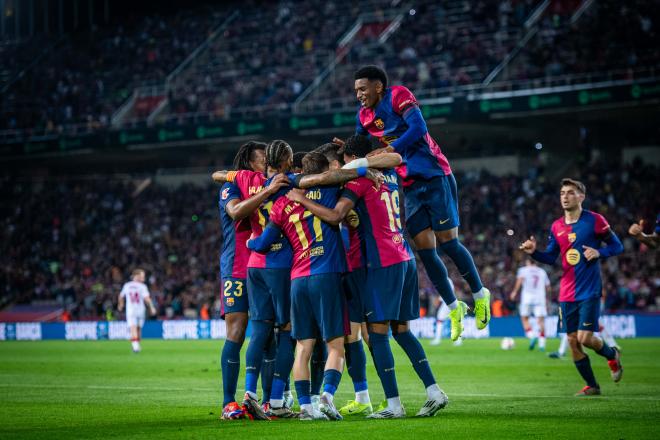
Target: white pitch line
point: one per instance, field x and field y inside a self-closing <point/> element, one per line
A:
<point x="212" y="390"/>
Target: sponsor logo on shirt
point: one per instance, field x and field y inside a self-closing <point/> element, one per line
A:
<point x="573" y="257"/>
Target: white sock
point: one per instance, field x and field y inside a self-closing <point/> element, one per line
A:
<point x="433" y="391"/>
<point x="307" y="407"/>
<point x="479" y="295"/>
<point x="438" y="330"/>
<point x="563" y="344"/>
<point x="329" y="397"/>
<point x="276" y="403"/>
<point x="542" y="342"/>
<point x="453" y="305"/>
<point x="529" y="334"/>
<point x="362" y="397"/>
<point x="394" y="403"/>
<point x="136" y="345"/>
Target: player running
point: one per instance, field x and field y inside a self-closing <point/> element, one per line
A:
<point x="392" y="116"/>
<point x="577" y="237"/>
<point x="317" y="303"/>
<point x="390" y="298"/>
<point x="533" y="300"/>
<point x="135" y="295"/>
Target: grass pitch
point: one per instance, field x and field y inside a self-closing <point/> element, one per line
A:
<point x="172" y="390"/>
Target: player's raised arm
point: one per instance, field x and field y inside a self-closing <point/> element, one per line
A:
<point x="224" y="176"/>
<point x="637" y="231"/>
<point x="384" y="160"/>
<point x="240" y="209"/>
<point x="333" y="216"/>
<point x="262" y="243"/>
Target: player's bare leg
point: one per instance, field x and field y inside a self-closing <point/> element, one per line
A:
<point x="333" y="369"/>
<point x="301" y="376"/>
<point x="356" y="362"/>
<point x="426" y="244"/>
<point x="541" y="323"/>
<point x="588" y="339"/>
<point x="436" y="399"/>
<point x="135" y="338"/>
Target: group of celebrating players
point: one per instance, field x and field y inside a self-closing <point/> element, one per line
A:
<point x="314" y="254"/>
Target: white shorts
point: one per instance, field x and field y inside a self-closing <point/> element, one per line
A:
<point x="538" y="310"/>
<point x="443" y="312"/>
<point x="135" y="320"/>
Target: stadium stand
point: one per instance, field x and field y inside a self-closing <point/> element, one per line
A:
<point x="72" y="243"/>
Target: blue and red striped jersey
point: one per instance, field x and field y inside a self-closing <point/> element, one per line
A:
<point x="581" y="278"/>
<point x="234" y="254"/>
<point x="317" y="246"/>
<point x="423" y="159"/>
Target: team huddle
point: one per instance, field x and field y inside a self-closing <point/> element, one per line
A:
<point x="315" y="256"/>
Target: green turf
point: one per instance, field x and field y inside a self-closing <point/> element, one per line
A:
<point x="172" y="390"/>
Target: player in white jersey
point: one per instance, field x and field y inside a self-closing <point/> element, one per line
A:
<point x="535" y="288"/>
<point x="135" y="295"/>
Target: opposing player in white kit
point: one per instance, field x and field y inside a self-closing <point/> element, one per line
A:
<point x="135" y="295"/>
<point x="440" y="317"/>
<point x="535" y="288"/>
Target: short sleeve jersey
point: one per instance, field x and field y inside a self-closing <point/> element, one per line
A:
<point x="134" y="294"/>
<point x="234" y="254"/>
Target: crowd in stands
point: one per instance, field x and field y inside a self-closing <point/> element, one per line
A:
<point x="86" y="77"/>
<point x="631" y="30"/>
<point x="75" y="242"/>
<point x="273" y="51"/>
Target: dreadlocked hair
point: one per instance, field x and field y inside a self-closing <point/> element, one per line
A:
<point x="277" y="152"/>
<point x="244" y="155"/>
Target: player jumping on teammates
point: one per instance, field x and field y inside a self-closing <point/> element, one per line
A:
<point x="135" y="295"/>
<point x="533" y="300"/>
<point x="577" y="237"/>
<point x="392" y="116"/>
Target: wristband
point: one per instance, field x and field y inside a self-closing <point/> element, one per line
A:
<point x="357" y="163"/>
<point x="362" y="171"/>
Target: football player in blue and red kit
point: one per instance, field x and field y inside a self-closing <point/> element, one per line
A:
<point x="576" y="237"/>
<point x="392" y="116"/>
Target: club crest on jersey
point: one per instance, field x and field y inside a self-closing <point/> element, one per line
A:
<point x="572" y="237"/>
<point x="225" y="193"/>
<point x="397" y="238"/>
<point x="230" y="301"/>
<point x="379" y="123"/>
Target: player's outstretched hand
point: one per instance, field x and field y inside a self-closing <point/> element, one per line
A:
<point x="279" y="181"/>
<point x="590" y="253"/>
<point x="375" y="176"/>
<point x="336" y="140"/>
<point x="296" y="195"/>
<point x="529" y="246"/>
<point x="378" y="151"/>
<point x="636" y="228"/>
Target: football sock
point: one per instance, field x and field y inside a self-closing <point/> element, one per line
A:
<point x="331" y="380"/>
<point x="529" y="334"/>
<point x="394" y="402"/>
<point x="438" y="275"/>
<point x="356" y="360"/>
<point x="438" y="330"/>
<point x="433" y="391"/>
<point x="584" y="368"/>
<point x="384" y="363"/>
<point x="231" y="364"/>
<point x="607" y="352"/>
<point x="563" y="344"/>
<point x="302" y="390"/>
<point x="283" y="365"/>
<point x="465" y="264"/>
<point x="255" y="352"/>
<point x="319" y="356"/>
<point x="417" y="356"/>
<point x="268" y="368"/>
